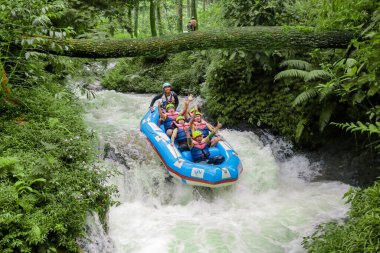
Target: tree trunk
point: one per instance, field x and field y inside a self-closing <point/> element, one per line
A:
<point x="180" y="16"/>
<point x="188" y="8"/>
<point x="254" y="38"/>
<point x="159" y="20"/>
<point x="194" y="12"/>
<point x="194" y="9"/>
<point x="130" y="23"/>
<point x="152" y="18"/>
<point x="136" y="23"/>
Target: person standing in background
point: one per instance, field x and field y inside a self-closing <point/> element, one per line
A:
<point x="193" y="24"/>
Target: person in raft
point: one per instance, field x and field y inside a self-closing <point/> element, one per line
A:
<point x="199" y="148"/>
<point x="179" y="134"/>
<point x="167" y="97"/>
<point x="170" y="114"/>
<point x="191" y="113"/>
<point x="198" y="123"/>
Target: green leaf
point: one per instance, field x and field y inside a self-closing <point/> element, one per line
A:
<point x="352" y="71"/>
<point x="296" y="64"/>
<point x="305" y="96"/>
<point x="232" y="56"/>
<point x="317" y="74"/>
<point x="299" y="130"/>
<point x="18" y="183"/>
<point x="325" y="115"/>
<point x="36" y="234"/>
<point x="37" y="180"/>
<point x="53" y="122"/>
<point x="291" y="73"/>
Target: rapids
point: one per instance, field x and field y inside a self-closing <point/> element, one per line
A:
<point x="273" y="205"/>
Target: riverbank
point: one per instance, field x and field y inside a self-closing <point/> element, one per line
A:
<point x="49" y="175"/>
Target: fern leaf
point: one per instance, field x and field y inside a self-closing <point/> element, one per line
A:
<point x="317" y="74"/>
<point x="325" y="116"/>
<point x="326" y="89"/>
<point x="296" y="64"/>
<point x="343" y="126"/>
<point x="299" y="130"/>
<point x="304" y="96"/>
<point x="359" y="126"/>
<point x="373" y="129"/>
<point x="291" y="73"/>
<point x="362" y="127"/>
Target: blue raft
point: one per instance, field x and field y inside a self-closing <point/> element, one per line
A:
<point x="181" y="166"/>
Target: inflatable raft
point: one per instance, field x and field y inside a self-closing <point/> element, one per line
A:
<point x="181" y="166"/>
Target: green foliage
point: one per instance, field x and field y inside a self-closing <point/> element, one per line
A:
<point x="259" y="12"/>
<point x="359" y="126"/>
<point x="306" y="75"/>
<point x="48" y="176"/>
<point x="359" y="233"/>
<point x="296" y="64"/>
<point x="289" y="73"/>
<point x="185" y="71"/>
<point x="362" y="128"/>
<point x="329" y="14"/>
<point x="305" y="96"/>
<point x="299" y="130"/>
<point x="212" y="17"/>
<point x="239" y="89"/>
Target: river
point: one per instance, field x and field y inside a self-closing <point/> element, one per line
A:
<point x="275" y="203"/>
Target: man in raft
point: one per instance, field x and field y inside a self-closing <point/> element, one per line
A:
<point x="199" y="148"/>
<point x="166" y="97"/>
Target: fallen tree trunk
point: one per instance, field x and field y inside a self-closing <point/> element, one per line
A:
<point x="258" y="38"/>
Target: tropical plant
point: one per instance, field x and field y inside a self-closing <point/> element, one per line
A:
<point x="304" y="70"/>
<point x="359" y="233"/>
<point x="363" y="128"/>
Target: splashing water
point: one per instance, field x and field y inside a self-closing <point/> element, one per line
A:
<point x="272" y="206"/>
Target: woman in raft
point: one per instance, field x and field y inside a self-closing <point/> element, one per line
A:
<point x="179" y="134"/>
<point x="199" y="148"/>
<point x="198" y="123"/>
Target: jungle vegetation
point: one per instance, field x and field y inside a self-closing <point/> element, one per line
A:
<point x="307" y="94"/>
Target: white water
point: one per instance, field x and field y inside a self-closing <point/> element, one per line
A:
<point x="268" y="210"/>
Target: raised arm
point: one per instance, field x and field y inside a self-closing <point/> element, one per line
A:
<point x="162" y="115"/>
<point x="174" y="135"/>
<point x="189" y="141"/>
<point x="216" y="129"/>
<point x="211" y="127"/>
<point x="191" y="124"/>
<point x="184" y="111"/>
<point x="187" y="102"/>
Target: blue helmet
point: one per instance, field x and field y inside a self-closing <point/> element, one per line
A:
<point x="166" y="85"/>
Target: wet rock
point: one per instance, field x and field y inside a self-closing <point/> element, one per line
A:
<point x="111" y="153"/>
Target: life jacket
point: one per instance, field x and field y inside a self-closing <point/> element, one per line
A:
<point x="170" y="119"/>
<point x="202" y="126"/>
<point x="167" y="99"/>
<point x="200" y="151"/>
<point x="181" y="134"/>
